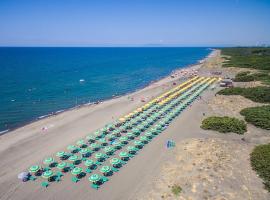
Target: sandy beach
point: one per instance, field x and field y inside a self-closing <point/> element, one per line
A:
<point x="30" y="144"/>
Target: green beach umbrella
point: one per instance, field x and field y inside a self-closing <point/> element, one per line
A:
<point x="109" y="149"/>
<point x="105" y="169"/>
<point x="123" y="154"/>
<point x="34" y="169"/>
<point x="117" y="145"/>
<point x="71" y="147"/>
<point x="130" y="135"/>
<point x="110" y="136"/>
<point x="94" y="178"/>
<point x="73" y="158"/>
<point x="115" y="161"/>
<point x="138" y="143"/>
<point x="61" y="165"/>
<point x="144" y="139"/>
<point x="89" y="163"/>
<point x="80" y="142"/>
<point x="60" y="154"/>
<point x="90" y="138"/>
<point x="102" y="141"/>
<point x="94" y="146"/>
<point x="47" y="174"/>
<point x="76" y="171"/>
<point x="85" y="151"/>
<point x="99" y="155"/>
<point x="123" y="139"/>
<point x="132" y="149"/>
<point x="48" y="161"/>
<point x="148" y="134"/>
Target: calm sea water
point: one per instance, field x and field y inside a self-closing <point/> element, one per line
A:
<point x="35" y="82"/>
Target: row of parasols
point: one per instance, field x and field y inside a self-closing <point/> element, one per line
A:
<point x="153" y="117"/>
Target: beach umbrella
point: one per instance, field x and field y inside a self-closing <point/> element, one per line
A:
<point x="106" y="170"/>
<point x="62" y="166"/>
<point x="48" y="161"/>
<point x="116" y="162"/>
<point x="61" y="154"/>
<point x="130" y="135"/>
<point x="100" y="156"/>
<point x="34" y="169"/>
<point x="123" y="155"/>
<point x="90" y="138"/>
<point x="94" y="146"/>
<point x="94" y="178"/>
<point x="116" y="133"/>
<point x="123" y="139"/>
<point x="122" y="120"/>
<point x="74" y="159"/>
<point x="102" y="141"/>
<point x="144" y="139"/>
<point x="23" y="176"/>
<point x="136" y="131"/>
<point x="72" y="148"/>
<point x="89" y="163"/>
<point x="77" y="171"/>
<point x="148" y="134"/>
<point x="117" y="145"/>
<point x="138" y="144"/>
<point x="110" y="127"/>
<point x="98" y="134"/>
<point x="110" y="137"/>
<point x="81" y="143"/>
<point x="48" y="175"/>
<point x="109" y="150"/>
<point x="132" y="149"/>
<point x="85" y="152"/>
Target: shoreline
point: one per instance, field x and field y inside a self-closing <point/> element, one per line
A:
<point x="29" y="145"/>
<point x="196" y="65"/>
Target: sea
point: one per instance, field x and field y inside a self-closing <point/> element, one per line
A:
<point x="36" y="82"/>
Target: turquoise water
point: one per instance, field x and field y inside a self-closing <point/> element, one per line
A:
<point x="36" y="82"/>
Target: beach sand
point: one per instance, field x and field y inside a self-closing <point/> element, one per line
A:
<point x="30" y="144"/>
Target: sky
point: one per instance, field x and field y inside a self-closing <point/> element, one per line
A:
<point x="134" y="22"/>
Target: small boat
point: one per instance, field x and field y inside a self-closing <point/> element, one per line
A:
<point x="82" y="80"/>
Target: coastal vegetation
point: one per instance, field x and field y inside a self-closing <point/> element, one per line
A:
<point x="224" y="124"/>
<point x="260" y="162"/>
<point x="247" y="57"/>
<point x="258" y="116"/>
<point x="247" y="76"/>
<point x="259" y="94"/>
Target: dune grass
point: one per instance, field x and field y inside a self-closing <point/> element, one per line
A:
<point x="247" y="76"/>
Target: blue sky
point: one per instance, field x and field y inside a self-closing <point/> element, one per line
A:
<point x="134" y="22"/>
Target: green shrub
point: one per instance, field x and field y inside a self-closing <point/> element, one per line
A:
<point x="257" y="94"/>
<point x="176" y="190"/>
<point x="224" y="125"/>
<point x="258" y="116"/>
<point x="247" y="77"/>
<point x="260" y="162"/>
<point x="247" y="57"/>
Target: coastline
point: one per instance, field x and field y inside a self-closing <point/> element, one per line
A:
<point x="194" y="66"/>
<point x="30" y="144"/>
